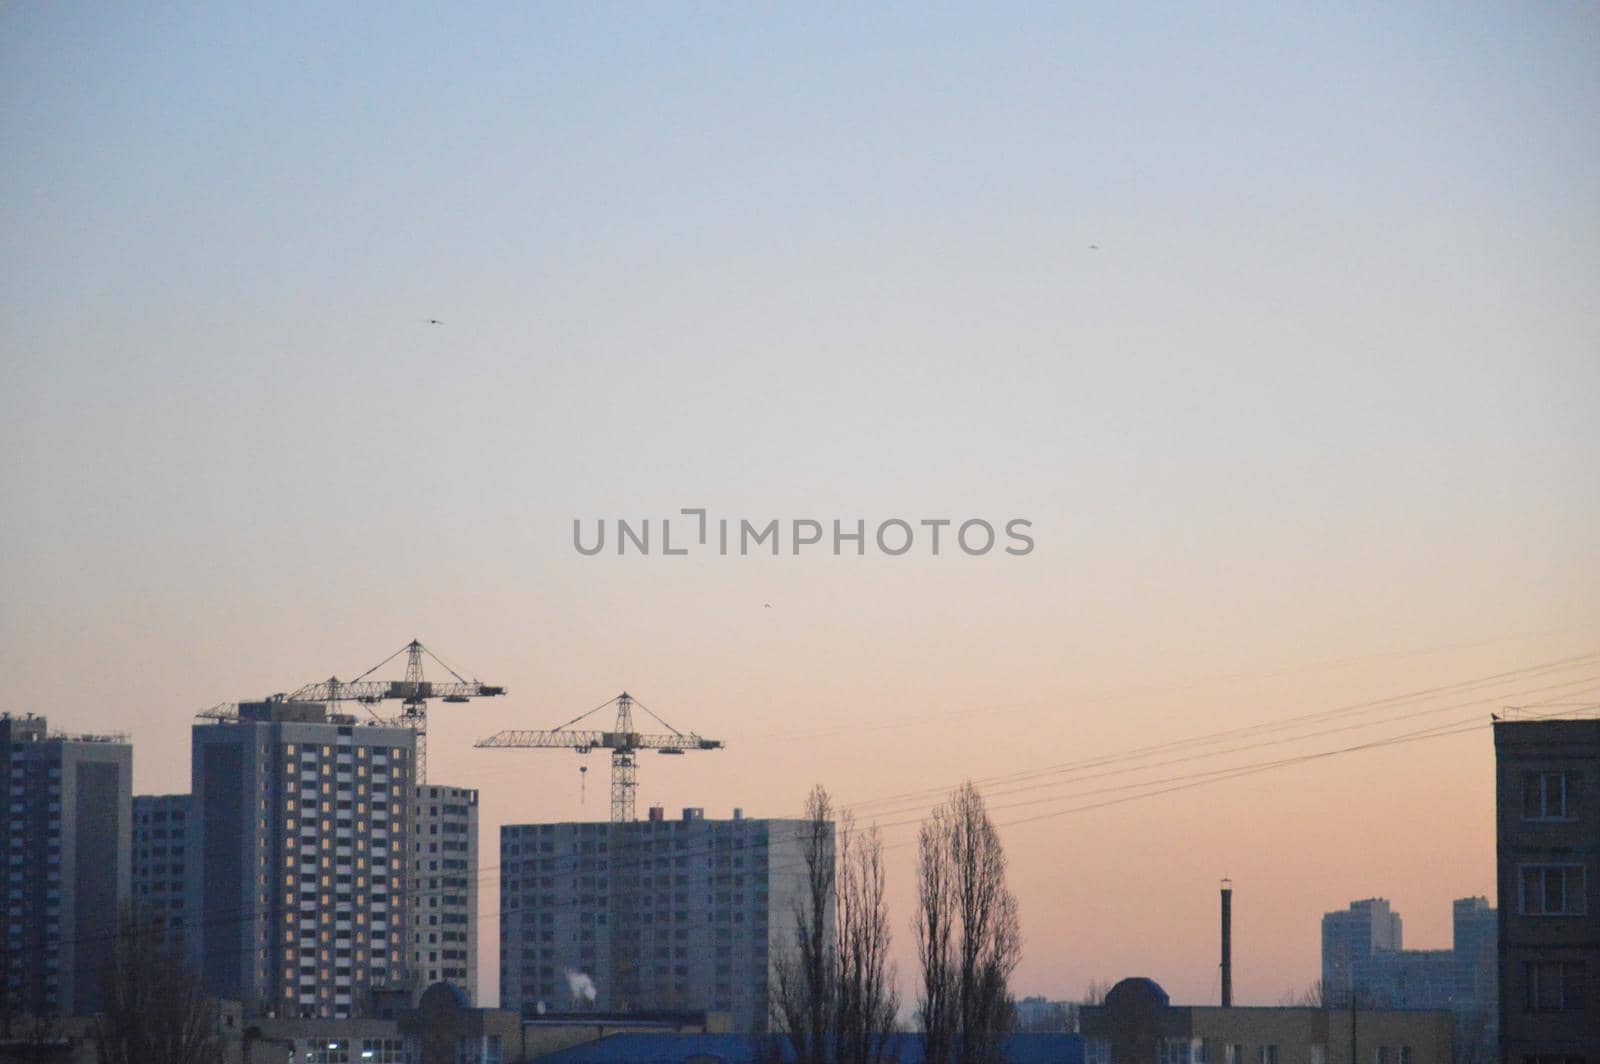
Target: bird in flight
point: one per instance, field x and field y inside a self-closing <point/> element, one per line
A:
<point x="435" y="321"/>
<point x="1094" y="247"/>
<point x="766" y="605"/>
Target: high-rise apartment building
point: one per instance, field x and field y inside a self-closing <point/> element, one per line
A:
<point x="1476" y="936"/>
<point x="1547" y="781"/>
<point x="67" y="807"/>
<point x="444" y="888"/>
<point x="160" y="860"/>
<point x="1351" y="936"/>
<point x="1476" y="1000"/>
<point x="297" y="874"/>
<point x="1460" y="979"/>
<point x="654" y="914"/>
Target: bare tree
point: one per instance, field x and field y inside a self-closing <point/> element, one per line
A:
<point x="867" y="1003"/>
<point x="1047" y="1017"/>
<point x="968" y="932"/>
<point x="803" y="984"/>
<point x="1095" y="993"/>
<point x="833" y="989"/>
<point x="152" y="1008"/>
<point x="1309" y="998"/>
<point x="937" y="1007"/>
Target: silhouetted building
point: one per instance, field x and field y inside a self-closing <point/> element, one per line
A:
<point x="1461" y="979"/>
<point x="653" y="914"/>
<point x="1405" y="979"/>
<point x="444" y="888"/>
<point x="1476" y="1001"/>
<point x="298" y="871"/>
<point x="1547" y="776"/>
<point x="160" y="860"/>
<point x="1350" y="937"/>
<point x="66" y="815"/>
<point x="1138" y="1024"/>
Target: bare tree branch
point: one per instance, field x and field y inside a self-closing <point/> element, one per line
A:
<point x="153" y="1010"/>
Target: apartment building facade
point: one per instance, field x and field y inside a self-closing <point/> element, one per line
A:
<point x="444" y="888"/>
<point x="297" y="878"/>
<point x="66" y="811"/>
<point x="687" y="913"/>
<point x="1350" y="937"/>
<point x="1547" y="811"/>
<point x="160" y="849"/>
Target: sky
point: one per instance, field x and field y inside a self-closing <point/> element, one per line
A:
<point x="1276" y="322"/>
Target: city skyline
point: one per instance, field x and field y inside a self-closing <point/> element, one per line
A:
<point x="325" y="325"/>
<point x="1340" y="733"/>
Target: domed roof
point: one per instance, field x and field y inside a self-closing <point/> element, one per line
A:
<point x="1139" y="988"/>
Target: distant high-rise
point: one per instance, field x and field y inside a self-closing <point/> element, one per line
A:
<point x="444" y="888"/>
<point x="654" y="914"/>
<point x="1460" y="979"/>
<point x="160" y="859"/>
<point x="297" y="874"/>
<point x="1405" y="979"/>
<point x="1349" y="937"/>
<point x="1476" y="999"/>
<point x="1547" y="779"/>
<point x="66" y="816"/>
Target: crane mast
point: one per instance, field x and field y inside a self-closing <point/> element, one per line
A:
<point x="623" y="742"/>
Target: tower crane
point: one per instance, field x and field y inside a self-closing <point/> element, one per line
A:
<point x="623" y="742"/>
<point x="412" y="693"/>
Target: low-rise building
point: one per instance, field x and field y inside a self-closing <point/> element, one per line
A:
<point x="1138" y="1024"/>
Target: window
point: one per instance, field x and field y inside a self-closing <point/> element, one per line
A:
<point x="1550" y="795"/>
<point x="1267" y="1055"/>
<point x="330" y="1052"/>
<point x="1552" y="890"/>
<point x="1233" y="1054"/>
<point x="1554" y="986"/>
<point x="1175" y="1051"/>
<point x="384" y="1051"/>
<point x="1319" y="1053"/>
<point x="1096" y="1051"/>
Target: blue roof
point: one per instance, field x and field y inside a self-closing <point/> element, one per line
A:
<point x="747" y="1049"/>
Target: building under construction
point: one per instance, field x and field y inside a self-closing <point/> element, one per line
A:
<point x="643" y="915"/>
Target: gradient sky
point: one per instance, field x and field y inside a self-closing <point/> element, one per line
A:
<point x="1316" y="423"/>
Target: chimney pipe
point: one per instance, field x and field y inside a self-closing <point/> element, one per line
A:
<point x="1227" y="943"/>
